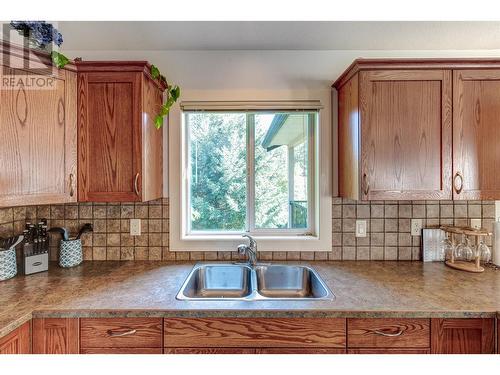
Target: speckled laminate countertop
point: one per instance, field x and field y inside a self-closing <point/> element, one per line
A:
<point x="362" y="289"/>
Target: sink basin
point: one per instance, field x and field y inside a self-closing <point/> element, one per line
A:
<point x="284" y="281"/>
<point x="227" y="281"/>
<point x="219" y="281"/>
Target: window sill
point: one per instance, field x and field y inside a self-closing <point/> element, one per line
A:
<point x="257" y="237"/>
<point x="208" y="242"/>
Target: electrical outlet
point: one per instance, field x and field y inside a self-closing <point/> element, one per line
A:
<point x="416" y="227"/>
<point x="475" y="223"/>
<point x="360" y="228"/>
<point x="135" y="227"/>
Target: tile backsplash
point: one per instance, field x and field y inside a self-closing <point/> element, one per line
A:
<point x="388" y="227"/>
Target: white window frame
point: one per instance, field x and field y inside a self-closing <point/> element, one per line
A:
<point x="250" y="228"/>
<point x="321" y="240"/>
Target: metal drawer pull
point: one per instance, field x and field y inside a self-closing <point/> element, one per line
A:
<point x="71" y="187"/>
<point x="366" y="185"/>
<point x="121" y="334"/>
<point x="381" y="333"/>
<point x="136" y="188"/>
<point x="458" y="190"/>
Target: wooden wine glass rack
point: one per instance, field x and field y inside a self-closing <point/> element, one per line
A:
<point x="469" y="266"/>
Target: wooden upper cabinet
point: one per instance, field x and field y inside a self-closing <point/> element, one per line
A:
<point x="476" y="133"/>
<point x="395" y="135"/>
<point x="38" y="129"/>
<point x="120" y="150"/>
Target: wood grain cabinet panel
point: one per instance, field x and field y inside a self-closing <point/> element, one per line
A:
<point x="300" y="351"/>
<point x="254" y="332"/>
<point x="17" y="342"/>
<point x="55" y="336"/>
<point x="121" y="351"/>
<point x="39" y="134"/>
<point x="120" y="149"/>
<point x="210" y="351"/>
<point x="463" y="336"/>
<point x="121" y="333"/>
<point x="405" y="126"/>
<point x="389" y="351"/>
<point x="476" y="131"/>
<point x="388" y="333"/>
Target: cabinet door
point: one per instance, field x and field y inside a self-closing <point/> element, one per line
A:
<point x="476" y="131"/>
<point x="405" y="134"/>
<point x="17" y="342"/>
<point x="109" y="133"/>
<point x="38" y="135"/>
<point x="55" y="336"/>
<point x="463" y="336"/>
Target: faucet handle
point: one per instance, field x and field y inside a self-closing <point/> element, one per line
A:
<point x="242" y="249"/>
<point x="253" y="243"/>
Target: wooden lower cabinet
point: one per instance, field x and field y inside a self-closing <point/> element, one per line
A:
<point x="55" y="336"/>
<point x="252" y="336"/>
<point x="463" y="336"/>
<point x="17" y="342"/>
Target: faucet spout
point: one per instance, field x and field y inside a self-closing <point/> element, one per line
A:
<point x="250" y="250"/>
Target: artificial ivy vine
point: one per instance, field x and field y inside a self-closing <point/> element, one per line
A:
<point x="173" y="93"/>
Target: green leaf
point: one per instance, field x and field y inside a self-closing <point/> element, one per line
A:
<point x="155" y="72"/>
<point x="159" y="122"/>
<point x="59" y="59"/>
<point x="163" y="79"/>
<point x="175" y="92"/>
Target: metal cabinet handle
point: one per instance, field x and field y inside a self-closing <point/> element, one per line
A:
<point x="120" y="334"/>
<point x="381" y="333"/>
<point x="458" y="175"/>
<point x="71" y="187"/>
<point x="136" y="184"/>
<point x="366" y="185"/>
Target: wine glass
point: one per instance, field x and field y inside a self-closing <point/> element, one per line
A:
<point x="463" y="251"/>
<point x="484" y="251"/>
<point x="446" y="248"/>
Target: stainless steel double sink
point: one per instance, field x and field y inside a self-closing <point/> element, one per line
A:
<point x="224" y="281"/>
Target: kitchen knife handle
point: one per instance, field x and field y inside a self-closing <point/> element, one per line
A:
<point x="458" y="175"/>
<point x="111" y="333"/>
<point x="386" y="334"/>
<point x="136" y="184"/>
<point x="71" y="187"/>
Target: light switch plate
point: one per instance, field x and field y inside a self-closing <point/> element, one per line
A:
<point x="475" y="223"/>
<point x="416" y="227"/>
<point x="360" y="228"/>
<point x="135" y="227"/>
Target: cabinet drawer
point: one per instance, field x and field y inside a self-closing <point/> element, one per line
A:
<point x="121" y="333"/>
<point x="209" y="351"/>
<point x="389" y="351"/>
<point x="254" y="332"/>
<point x="388" y="333"/>
<point x="122" y="351"/>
